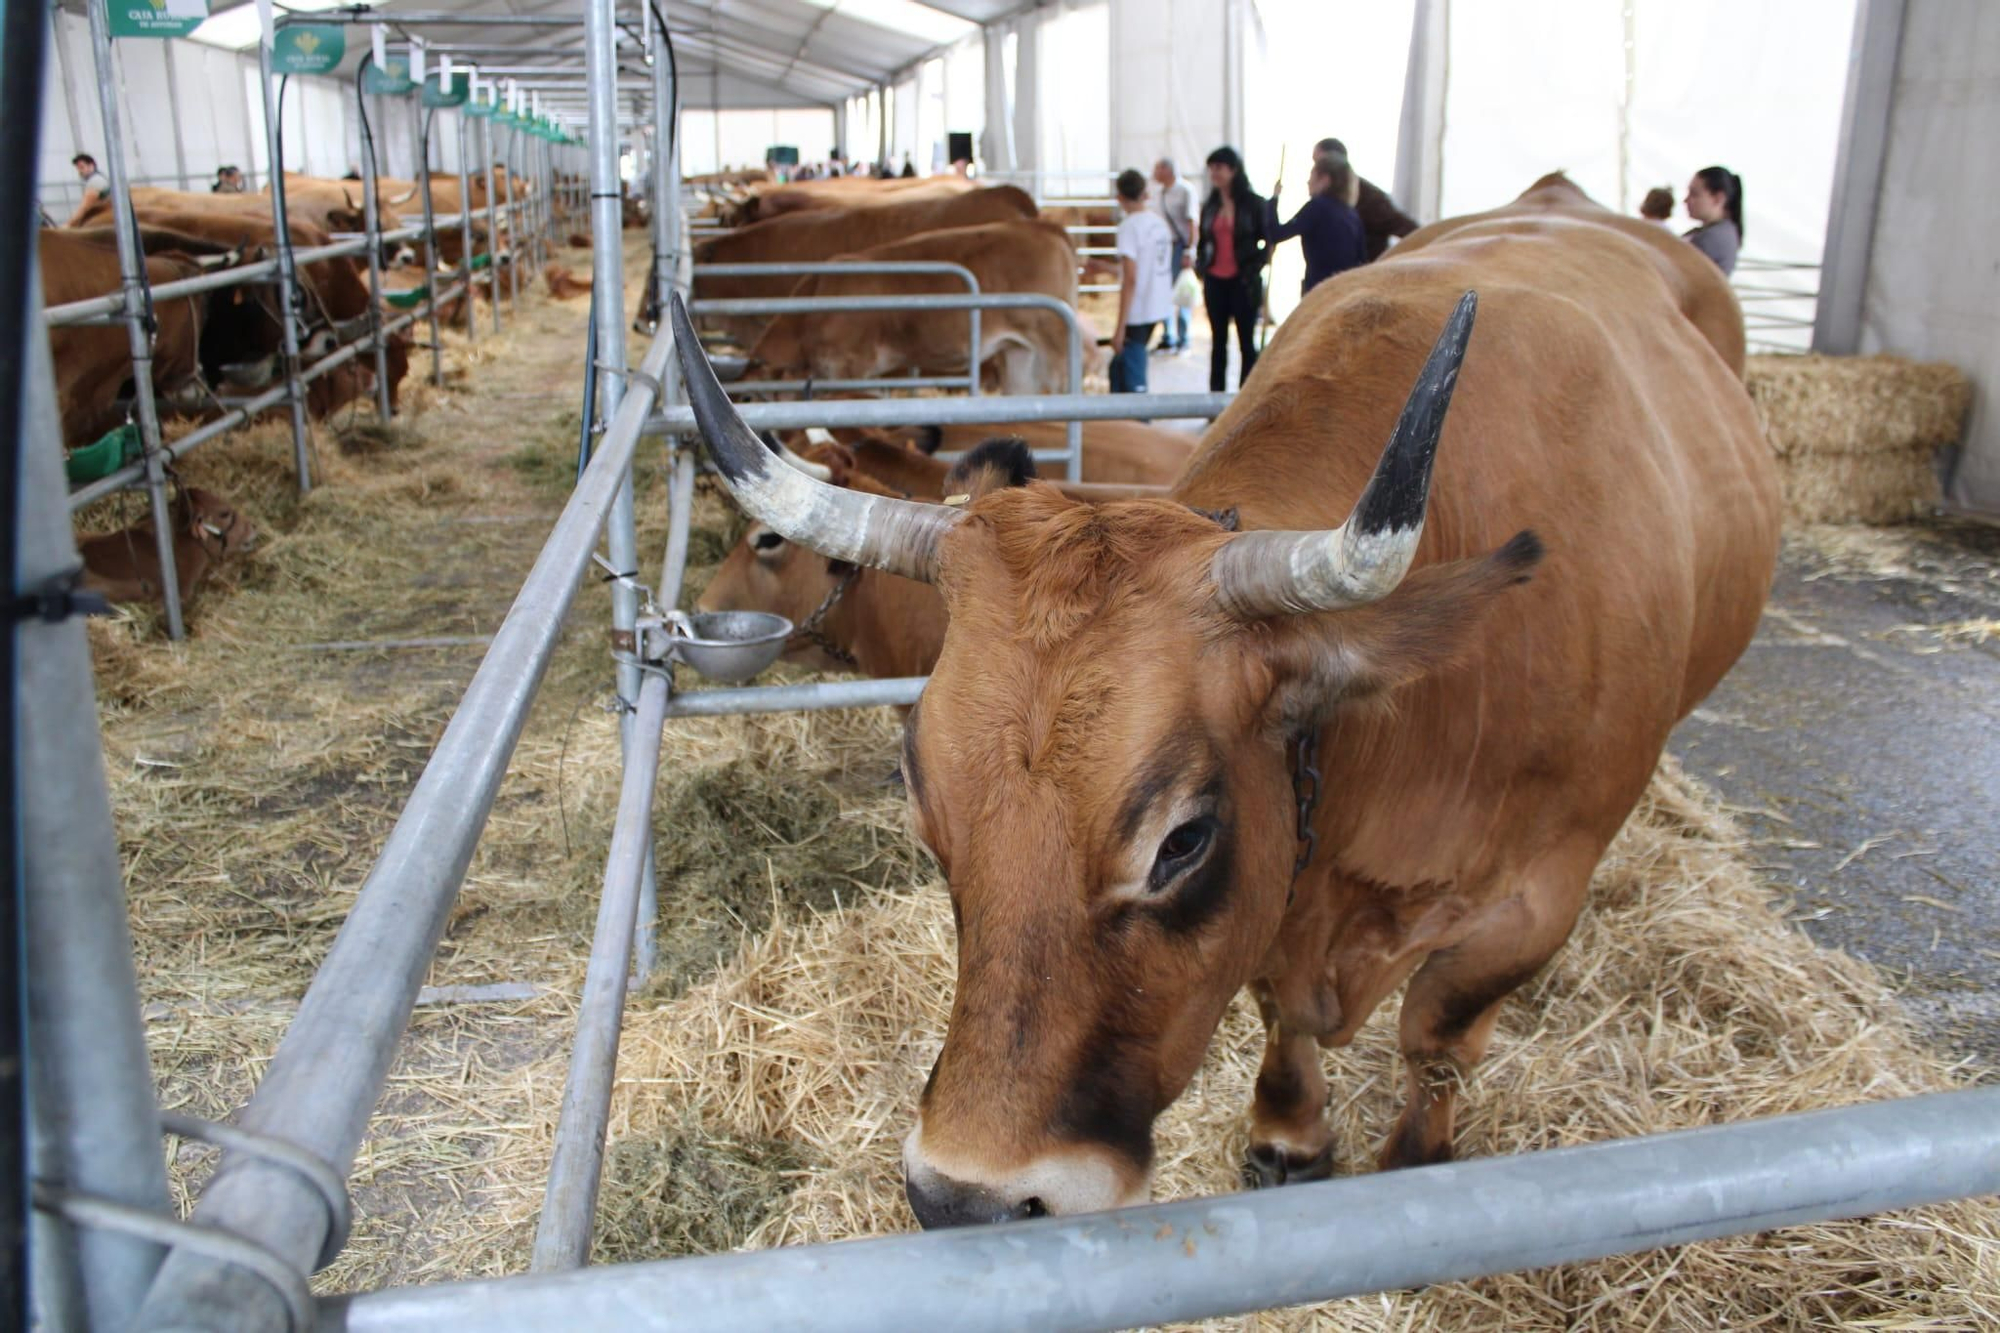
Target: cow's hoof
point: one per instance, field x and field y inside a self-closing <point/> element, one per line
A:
<point x="1266" y="1165"/>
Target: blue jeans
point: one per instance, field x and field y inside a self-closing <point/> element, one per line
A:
<point x="1128" y="368"/>
<point x="1175" y="334"/>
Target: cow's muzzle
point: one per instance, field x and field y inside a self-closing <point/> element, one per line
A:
<point x="1070" y="1180"/>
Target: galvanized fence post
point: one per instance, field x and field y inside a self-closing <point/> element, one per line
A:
<point x="97" y="1125"/>
<point x="133" y="282"/>
<point x="465" y="274"/>
<point x="288" y="286"/>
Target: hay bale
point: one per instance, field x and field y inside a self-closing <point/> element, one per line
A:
<point x="1683" y="999"/>
<point x="1856" y="437"/>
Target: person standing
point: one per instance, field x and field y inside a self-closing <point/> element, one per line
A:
<point x="1715" y="200"/>
<point x="1176" y="206"/>
<point x="1381" y="220"/>
<point x="1231" y="249"/>
<point x="229" y="180"/>
<point x="95" y="187"/>
<point x="1328" y="228"/>
<point x="1146" y="283"/>
<point x="1658" y="205"/>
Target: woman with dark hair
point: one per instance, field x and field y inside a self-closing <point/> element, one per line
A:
<point x="1715" y="200"/>
<point x="1231" y="249"/>
<point x="1328" y="228"/>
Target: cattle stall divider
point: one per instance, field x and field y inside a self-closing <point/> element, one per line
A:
<point x="968" y="381"/>
<point x="1071" y="454"/>
<point x="138" y="297"/>
<point x="265" y="1218"/>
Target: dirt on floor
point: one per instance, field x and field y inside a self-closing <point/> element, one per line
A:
<point x="257" y="769"/>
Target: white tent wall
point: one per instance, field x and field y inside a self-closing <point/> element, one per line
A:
<point x="1171" y="87"/>
<point x="214" y="109"/>
<point x="1933" y="279"/>
<point x="714" y="141"/>
<point x="1074" y="91"/>
<point x="1292" y="99"/>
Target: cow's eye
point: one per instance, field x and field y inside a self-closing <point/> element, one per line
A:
<point x="1181" y="849"/>
<point x="767" y="541"/>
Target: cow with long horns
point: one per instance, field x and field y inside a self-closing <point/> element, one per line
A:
<point x="1457" y="695"/>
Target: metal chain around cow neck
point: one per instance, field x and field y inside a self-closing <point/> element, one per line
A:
<point x="1305" y="789"/>
<point x="811" y="632"/>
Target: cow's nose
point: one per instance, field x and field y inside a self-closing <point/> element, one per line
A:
<point x="939" y="1201"/>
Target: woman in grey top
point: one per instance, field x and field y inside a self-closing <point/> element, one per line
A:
<point x="1715" y="200"/>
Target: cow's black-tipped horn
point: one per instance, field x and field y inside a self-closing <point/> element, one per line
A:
<point x="899" y="536"/>
<point x="1280" y="573"/>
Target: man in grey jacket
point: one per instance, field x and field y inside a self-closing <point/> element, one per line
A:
<point x="1175" y="203"/>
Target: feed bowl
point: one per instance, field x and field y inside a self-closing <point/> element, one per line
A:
<point x="250" y="374"/>
<point x="729" y="646"/>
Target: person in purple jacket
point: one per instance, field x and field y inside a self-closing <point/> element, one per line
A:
<point x="1328" y="228"/>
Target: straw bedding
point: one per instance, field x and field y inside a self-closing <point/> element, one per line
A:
<point x="770" y="1070"/>
<point x="1857" y="437"/>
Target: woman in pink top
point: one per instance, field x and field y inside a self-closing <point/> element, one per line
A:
<point x="1232" y="267"/>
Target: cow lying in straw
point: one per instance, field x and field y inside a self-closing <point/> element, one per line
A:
<point x="125" y="565"/>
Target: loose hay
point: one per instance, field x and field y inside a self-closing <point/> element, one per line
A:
<point x="1857" y="437"/>
<point x="1682" y="1000"/>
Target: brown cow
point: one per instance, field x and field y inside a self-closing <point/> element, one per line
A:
<point x="843" y="192"/>
<point x="93" y="363"/>
<point x="875" y="623"/>
<point x="1709" y="305"/>
<point x="1115" y="452"/>
<point x="1028" y="349"/>
<point x="125" y="565"/>
<point x="243" y="325"/>
<point x="823" y="234"/>
<point x="1104" y="759"/>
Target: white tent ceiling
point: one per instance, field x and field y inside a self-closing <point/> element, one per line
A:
<point x="773" y="53"/>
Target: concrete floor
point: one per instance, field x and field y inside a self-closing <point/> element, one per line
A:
<point x="1859" y="737"/>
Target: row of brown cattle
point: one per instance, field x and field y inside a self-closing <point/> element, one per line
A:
<point x="225" y="341"/>
<point x="1480" y="662"/>
<point x="993" y="231"/>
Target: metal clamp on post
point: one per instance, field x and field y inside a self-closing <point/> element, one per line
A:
<point x="57" y="599"/>
<point x="324" y="1180"/>
<point x="84" y="1210"/>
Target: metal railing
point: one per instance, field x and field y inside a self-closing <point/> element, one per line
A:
<point x="1772" y="309"/>
<point x="136" y="297"/>
<point x="969" y="381"/>
<point x="807" y="305"/>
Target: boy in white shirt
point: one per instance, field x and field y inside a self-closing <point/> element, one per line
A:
<point x="1146" y="291"/>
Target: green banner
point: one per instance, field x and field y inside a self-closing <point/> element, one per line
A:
<point x="479" y="110"/>
<point x="390" y="81"/>
<point x="506" y="119"/>
<point x="155" y="18"/>
<point x="311" y="48"/>
<point x="435" y="95"/>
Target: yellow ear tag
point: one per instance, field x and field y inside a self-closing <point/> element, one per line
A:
<point x="956" y="500"/>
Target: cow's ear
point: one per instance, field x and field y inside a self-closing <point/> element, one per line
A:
<point x="1004" y="460"/>
<point x="836" y="458"/>
<point x="1325" y="659"/>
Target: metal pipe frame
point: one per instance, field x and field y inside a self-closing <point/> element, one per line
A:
<point x="968" y="381"/>
<point x="320" y="1087"/>
<point x="245" y="411"/>
<point x="420" y="151"/>
<point x="288" y="325"/>
<point x="132" y="279"/>
<point x="459" y="119"/>
<point x="483" y="125"/>
<point x="1200" y="1258"/>
<point x="802" y="305"/>
<point x="97" y="1130"/>
<point x="842" y="412"/>
<point x="371" y="226"/>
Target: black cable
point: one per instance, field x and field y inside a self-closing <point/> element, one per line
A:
<point x="23" y="40"/>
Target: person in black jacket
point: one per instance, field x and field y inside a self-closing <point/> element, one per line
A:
<point x="1232" y="267"/>
<point x="1328" y="228"/>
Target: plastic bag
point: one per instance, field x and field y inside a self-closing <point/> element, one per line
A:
<point x="1187" y="289"/>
